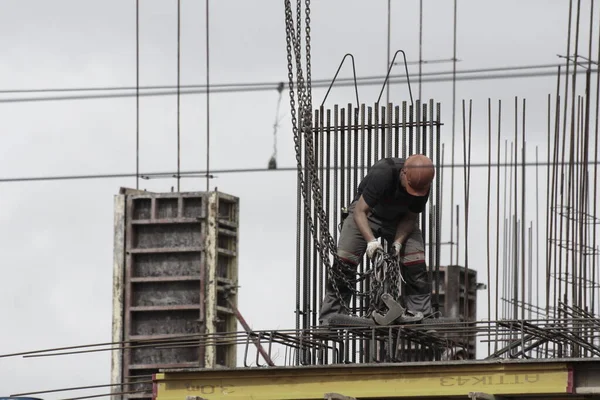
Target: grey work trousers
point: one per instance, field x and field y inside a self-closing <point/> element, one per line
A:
<point x="352" y="247"/>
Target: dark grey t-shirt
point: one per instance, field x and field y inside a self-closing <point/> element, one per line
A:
<point x="384" y="194"/>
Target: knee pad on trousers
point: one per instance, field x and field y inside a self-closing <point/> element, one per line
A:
<point x="417" y="279"/>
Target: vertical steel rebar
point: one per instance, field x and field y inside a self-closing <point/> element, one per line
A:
<point x="548" y="202"/>
<point x="497" y="299"/>
<point x="554" y="250"/>
<point x="431" y="208"/>
<point x="507" y="243"/>
<point x="323" y="167"/>
<point x="572" y="156"/>
<point x="515" y="222"/>
<point x="389" y="140"/>
<point x="328" y="186"/>
<point x="370" y="133"/>
<point x="584" y="184"/>
<point x="568" y="59"/>
<point x="348" y="132"/>
<point x="410" y="129"/>
<point x="369" y="136"/>
<point x="207" y="66"/>
<point x="453" y="135"/>
<point x="308" y="245"/>
<point x="404" y="122"/>
<point x="578" y="209"/>
<point x="467" y="179"/>
<point x="384" y="132"/>
<point x="418" y="126"/>
<point x="178" y="94"/>
<point x="595" y="187"/>
<point x="298" y="249"/>
<point x="549" y="199"/>
<point x="336" y="168"/>
<point x="570" y="262"/>
<point x="387" y="66"/>
<point x="376" y="133"/>
<point x="355" y="167"/>
<point x="397" y="132"/>
<point x="457" y="233"/>
<point x="363" y="287"/>
<point x="530" y="271"/>
<point x="362" y="141"/>
<point x="137" y="94"/>
<point x="537" y="230"/>
<point x="433" y="197"/>
<point x="353" y="124"/>
<point x="313" y="267"/>
<point x="489" y="167"/>
<point x="580" y="200"/>
<point x="342" y="190"/>
<point x="523" y="220"/>
<point x="439" y="202"/>
<point x="423" y="136"/>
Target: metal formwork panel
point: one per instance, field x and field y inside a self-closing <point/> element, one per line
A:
<point x="457" y="303"/>
<point x="223" y="227"/>
<point x="453" y="303"/>
<point x="177" y="277"/>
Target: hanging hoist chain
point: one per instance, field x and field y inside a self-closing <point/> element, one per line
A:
<point x="325" y="243"/>
<point x="385" y="265"/>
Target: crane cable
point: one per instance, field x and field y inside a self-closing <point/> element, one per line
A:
<point x="273" y="160"/>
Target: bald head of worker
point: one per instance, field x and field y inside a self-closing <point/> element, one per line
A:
<point x="417" y="174"/>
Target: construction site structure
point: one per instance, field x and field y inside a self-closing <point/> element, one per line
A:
<point x="552" y="355"/>
<point x="175" y="276"/>
<point x="475" y="380"/>
<point x="457" y="301"/>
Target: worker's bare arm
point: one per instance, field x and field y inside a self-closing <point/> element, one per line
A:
<point x="361" y="211"/>
<point x="405" y="227"/>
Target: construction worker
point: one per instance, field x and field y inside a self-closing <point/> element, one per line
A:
<point x="387" y="204"/>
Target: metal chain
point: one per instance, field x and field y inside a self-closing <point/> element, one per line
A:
<point x="326" y="242"/>
<point x="385" y="278"/>
<point x="340" y="272"/>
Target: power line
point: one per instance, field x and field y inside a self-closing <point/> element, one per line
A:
<point x="252" y="84"/>
<point x="167" y="90"/>
<point x="196" y="174"/>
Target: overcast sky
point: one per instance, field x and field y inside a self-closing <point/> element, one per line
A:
<point x="56" y="236"/>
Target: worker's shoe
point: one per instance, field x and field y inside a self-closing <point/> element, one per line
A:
<point x="346" y="320"/>
<point x="409" y="317"/>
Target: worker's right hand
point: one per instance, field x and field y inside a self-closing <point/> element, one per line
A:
<point x="373" y="246"/>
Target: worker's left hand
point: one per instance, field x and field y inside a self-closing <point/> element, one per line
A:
<point x="397" y="250"/>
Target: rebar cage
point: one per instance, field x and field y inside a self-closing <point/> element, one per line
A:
<point x="346" y="142"/>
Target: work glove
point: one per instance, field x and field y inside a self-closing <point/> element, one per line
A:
<point x="397" y="250"/>
<point x="373" y="246"/>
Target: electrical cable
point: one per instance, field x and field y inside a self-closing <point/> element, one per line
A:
<point x="266" y="86"/>
<point x="251" y="84"/>
<point x="189" y="174"/>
